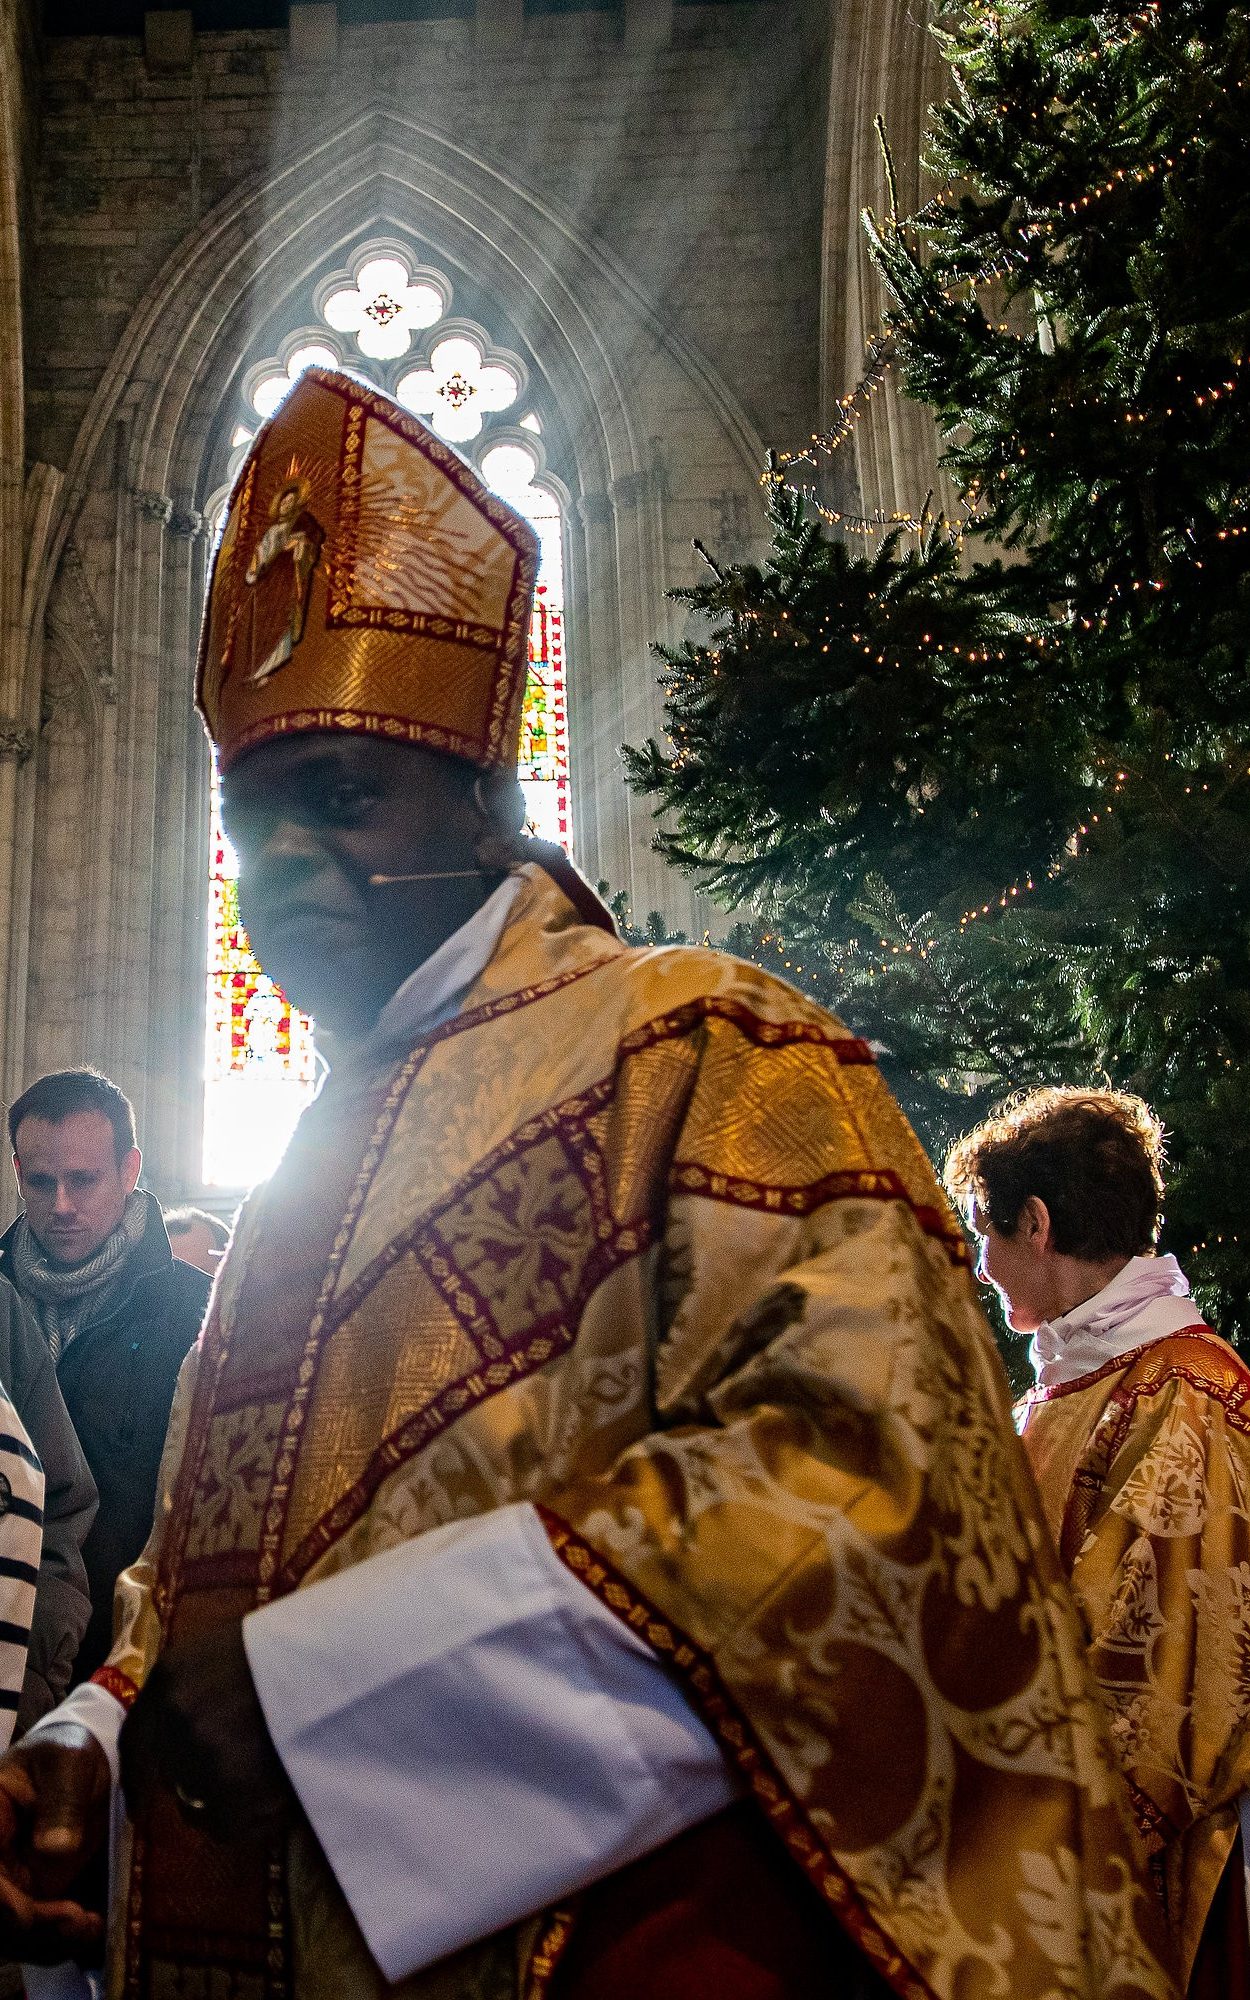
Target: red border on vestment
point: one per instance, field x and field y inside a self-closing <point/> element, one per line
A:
<point x="698" y="1675"/>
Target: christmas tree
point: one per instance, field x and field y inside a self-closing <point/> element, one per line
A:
<point x="982" y="781"/>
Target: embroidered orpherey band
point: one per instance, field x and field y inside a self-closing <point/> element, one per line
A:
<point x="639" y="1236"/>
<point x="724" y="1718"/>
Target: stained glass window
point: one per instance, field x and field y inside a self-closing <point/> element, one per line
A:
<point x="260" y="1061"/>
<point x="260" y="1066"/>
<point x="269" y="391"/>
<point x="458" y="389"/>
<point x="544" y="769"/>
<point x="383" y="308"/>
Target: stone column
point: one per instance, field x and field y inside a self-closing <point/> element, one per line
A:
<point x="179" y="909"/>
<point x="595" y="704"/>
<point x="120" y="1003"/>
<point x="638" y="502"/>
<point x="16" y="735"/>
<point x="885" y="62"/>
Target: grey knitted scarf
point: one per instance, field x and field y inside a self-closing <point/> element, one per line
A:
<point x="63" y="1298"/>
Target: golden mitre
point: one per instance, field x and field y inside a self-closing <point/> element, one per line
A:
<point x="366" y="580"/>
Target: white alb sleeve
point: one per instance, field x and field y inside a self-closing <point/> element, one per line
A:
<point x="100" y="1712"/>
<point x="97" y="1711"/>
<point x="473" y="1735"/>
<point x="21" y="1544"/>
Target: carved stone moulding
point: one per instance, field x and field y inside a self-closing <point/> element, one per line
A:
<point x="16" y="740"/>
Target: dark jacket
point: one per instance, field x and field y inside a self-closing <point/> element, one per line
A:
<point x="117" y="1377"/>
<point x="62" y="1605"/>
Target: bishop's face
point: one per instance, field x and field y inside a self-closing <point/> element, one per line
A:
<point x="312" y="818"/>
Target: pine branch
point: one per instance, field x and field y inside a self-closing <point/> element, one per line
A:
<point x="1016" y="747"/>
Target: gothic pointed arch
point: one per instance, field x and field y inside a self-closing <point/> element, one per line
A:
<point x="572" y="300"/>
<point x="632" y="397"/>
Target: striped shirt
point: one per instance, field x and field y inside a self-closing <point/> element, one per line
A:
<point x="21" y="1544"/>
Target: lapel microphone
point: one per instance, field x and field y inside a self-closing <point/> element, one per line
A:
<point x="442" y="875"/>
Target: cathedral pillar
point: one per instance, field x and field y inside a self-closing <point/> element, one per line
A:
<point x="145" y="998"/>
<point x="885" y="63"/>
<point x="596" y="706"/>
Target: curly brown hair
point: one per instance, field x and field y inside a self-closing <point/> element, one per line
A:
<point x="1095" y="1157"/>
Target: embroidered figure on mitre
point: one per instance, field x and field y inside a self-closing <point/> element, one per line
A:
<point x="280" y="577"/>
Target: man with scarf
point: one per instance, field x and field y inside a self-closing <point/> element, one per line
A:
<point x="1138" y="1429"/>
<point x="593" y="1556"/>
<point x="91" y="1259"/>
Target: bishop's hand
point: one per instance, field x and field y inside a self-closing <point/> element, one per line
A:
<point x="198" y="1730"/>
<point x="54" y="1799"/>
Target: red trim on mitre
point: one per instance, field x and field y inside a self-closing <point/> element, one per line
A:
<point x="728" y="1723"/>
<point x="348" y="722"/>
<point x="499" y="748"/>
<point x="116" y="1683"/>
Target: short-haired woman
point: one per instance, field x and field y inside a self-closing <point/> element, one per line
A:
<point x="1138" y="1430"/>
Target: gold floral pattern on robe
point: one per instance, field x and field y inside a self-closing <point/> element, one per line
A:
<point x="1144" y="1469"/>
<point x="641" y="1237"/>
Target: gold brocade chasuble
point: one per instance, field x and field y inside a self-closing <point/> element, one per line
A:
<point x="1144" y="1471"/>
<point x="641" y="1237"/>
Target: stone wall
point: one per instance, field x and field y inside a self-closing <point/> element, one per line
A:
<point x="698" y="164"/>
<point x="632" y="202"/>
<point x="656" y="209"/>
<point x="18" y="716"/>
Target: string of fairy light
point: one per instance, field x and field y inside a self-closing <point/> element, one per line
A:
<point x="1007" y="897"/>
<point x="882" y="350"/>
<point x="881" y="357"/>
<point x="1026" y="886"/>
<point x="853" y="406"/>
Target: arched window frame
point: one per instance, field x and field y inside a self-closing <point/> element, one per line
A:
<point x="517" y="430"/>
